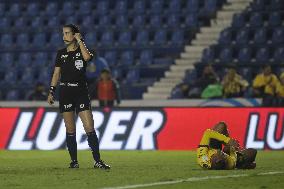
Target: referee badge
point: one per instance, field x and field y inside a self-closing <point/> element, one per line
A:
<point x="79" y="64"/>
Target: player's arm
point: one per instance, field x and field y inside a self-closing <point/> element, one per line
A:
<point x="210" y="134"/>
<point x="231" y="158"/>
<point x="87" y="55"/>
<point x="53" y="84"/>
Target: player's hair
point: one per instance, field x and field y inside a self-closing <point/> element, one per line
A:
<point x="74" y="28"/>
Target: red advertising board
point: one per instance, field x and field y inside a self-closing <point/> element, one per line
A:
<point x="142" y="128"/>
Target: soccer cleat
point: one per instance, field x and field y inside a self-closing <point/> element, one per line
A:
<point x="74" y="164"/>
<point x="101" y="165"/>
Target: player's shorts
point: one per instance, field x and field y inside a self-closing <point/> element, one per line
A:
<point x="74" y="97"/>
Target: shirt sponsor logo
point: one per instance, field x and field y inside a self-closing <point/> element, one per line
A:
<point x="64" y="56"/>
<point x="79" y="64"/>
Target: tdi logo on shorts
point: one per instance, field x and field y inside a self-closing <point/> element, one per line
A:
<point x="67" y="106"/>
<point x="79" y="64"/>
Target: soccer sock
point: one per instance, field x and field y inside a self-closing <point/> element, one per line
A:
<point x="94" y="145"/>
<point x="72" y="145"/>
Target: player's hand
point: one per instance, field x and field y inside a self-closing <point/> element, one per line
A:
<point x="234" y="143"/>
<point x="78" y="36"/>
<point x="50" y="99"/>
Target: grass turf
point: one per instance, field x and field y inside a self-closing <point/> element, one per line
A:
<point x="48" y="169"/>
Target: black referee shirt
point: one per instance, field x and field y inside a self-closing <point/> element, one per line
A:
<point x="72" y="64"/>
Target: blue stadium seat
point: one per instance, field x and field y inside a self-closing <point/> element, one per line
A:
<point x="116" y="73"/>
<point x="44" y="78"/>
<point x="192" y="6"/>
<point x="191" y="20"/>
<point x="67" y="8"/>
<point x="37" y="22"/>
<point x="138" y="21"/>
<point x="244" y="55"/>
<point x="246" y="72"/>
<point x="51" y="9"/>
<point x="85" y="8"/>
<point x="120" y="7"/>
<point x="6" y="41"/>
<point x="124" y="38"/>
<point x="104" y="21"/>
<point x="174" y="6"/>
<point x="121" y="21"/>
<point x="226" y="55"/>
<point x="173" y="21"/>
<point x="260" y="36"/>
<point x="111" y="57"/>
<point x="102" y="7"/>
<point x="146" y="57"/>
<point x="53" y="22"/>
<point x="22" y="41"/>
<point x="139" y="7"/>
<point x="91" y="39"/>
<point x="274" y="19"/>
<point x="177" y="37"/>
<point x="12" y="95"/>
<point x="32" y="9"/>
<point x="142" y="38"/>
<point x="160" y="37"/>
<point x="56" y="40"/>
<point x="7" y="60"/>
<point x="225" y="37"/>
<point x="242" y="37"/>
<point x="27" y="78"/>
<point x="238" y="20"/>
<point x="156" y="21"/>
<point x="127" y="58"/>
<point x="278" y="36"/>
<point x="71" y="20"/>
<point x="40" y="59"/>
<point x="156" y="6"/>
<point x="262" y="55"/>
<point x="209" y="8"/>
<point x="258" y="5"/>
<point x="2" y="9"/>
<point x="176" y="93"/>
<point x="5" y="22"/>
<point x="276" y="5"/>
<point x="256" y="20"/>
<point x="208" y="55"/>
<point x="20" y="23"/>
<point x="88" y="21"/>
<point x="15" y="10"/>
<point x="107" y="38"/>
<point x="278" y="55"/>
<point x="11" y="77"/>
<point x="24" y="60"/>
<point x="39" y="40"/>
<point x="133" y="75"/>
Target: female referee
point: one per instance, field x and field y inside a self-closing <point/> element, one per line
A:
<point x="70" y="67"/>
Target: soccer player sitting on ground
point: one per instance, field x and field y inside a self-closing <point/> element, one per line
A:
<point x="211" y="156"/>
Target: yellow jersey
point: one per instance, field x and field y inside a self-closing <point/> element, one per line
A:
<point x="204" y="153"/>
<point x="268" y="82"/>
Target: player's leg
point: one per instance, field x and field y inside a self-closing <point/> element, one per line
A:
<point x="246" y="159"/>
<point x="88" y="123"/>
<point x="222" y="128"/>
<point x="69" y="121"/>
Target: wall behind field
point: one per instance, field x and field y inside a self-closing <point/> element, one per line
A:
<point x="142" y="128"/>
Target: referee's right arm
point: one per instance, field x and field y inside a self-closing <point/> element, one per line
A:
<point x="54" y="81"/>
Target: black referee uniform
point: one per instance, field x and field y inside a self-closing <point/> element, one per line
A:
<point x="73" y="90"/>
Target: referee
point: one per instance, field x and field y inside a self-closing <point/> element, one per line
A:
<point x="70" y="67"/>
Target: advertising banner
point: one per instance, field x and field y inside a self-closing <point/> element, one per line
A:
<point x="142" y="128"/>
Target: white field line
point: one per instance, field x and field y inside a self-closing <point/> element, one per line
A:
<point x="192" y="179"/>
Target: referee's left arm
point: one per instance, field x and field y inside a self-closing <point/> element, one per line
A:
<point x="87" y="55"/>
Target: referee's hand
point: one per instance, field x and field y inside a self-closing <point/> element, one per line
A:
<point x="50" y="99"/>
<point x="78" y="36"/>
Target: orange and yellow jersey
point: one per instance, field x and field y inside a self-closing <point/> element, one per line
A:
<point x="204" y="153"/>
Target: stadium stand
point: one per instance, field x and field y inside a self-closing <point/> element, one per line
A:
<point x="254" y="38"/>
<point x="140" y="39"/>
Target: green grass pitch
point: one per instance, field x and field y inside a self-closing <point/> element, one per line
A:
<point x="48" y="169"/>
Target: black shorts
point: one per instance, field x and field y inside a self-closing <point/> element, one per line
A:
<point x="73" y="97"/>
